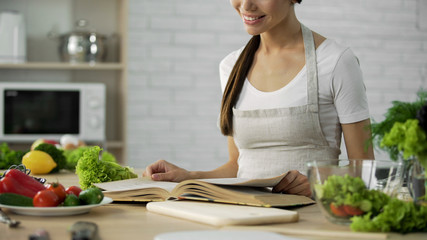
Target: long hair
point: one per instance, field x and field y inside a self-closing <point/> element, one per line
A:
<point x="235" y="83"/>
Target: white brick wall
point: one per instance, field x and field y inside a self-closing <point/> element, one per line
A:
<point x="175" y="47"/>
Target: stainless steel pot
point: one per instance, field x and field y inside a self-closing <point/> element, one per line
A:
<point x="82" y="45"/>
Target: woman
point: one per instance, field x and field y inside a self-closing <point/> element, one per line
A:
<point x="288" y="96"/>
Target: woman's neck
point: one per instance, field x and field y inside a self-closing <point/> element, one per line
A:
<point x="287" y="35"/>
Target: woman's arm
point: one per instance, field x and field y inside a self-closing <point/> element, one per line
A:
<point x="227" y="170"/>
<point x="165" y="171"/>
<point x="357" y="137"/>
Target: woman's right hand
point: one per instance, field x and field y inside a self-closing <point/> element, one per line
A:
<point x="162" y="170"/>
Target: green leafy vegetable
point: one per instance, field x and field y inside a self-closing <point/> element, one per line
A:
<point x="90" y="169"/>
<point x="399" y="112"/>
<point x="55" y="153"/>
<point x="396" y="216"/>
<point x="351" y="191"/>
<point x="409" y="139"/>
<point x="73" y="156"/>
<point x="382" y="213"/>
<point x="106" y="156"/>
<point x="9" y="157"/>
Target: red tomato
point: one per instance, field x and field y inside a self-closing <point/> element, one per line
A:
<point x="352" y="211"/>
<point x="45" y="198"/>
<point x="73" y="190"/>
<point x="338" y="211"/>
<point x="58" y="189"/>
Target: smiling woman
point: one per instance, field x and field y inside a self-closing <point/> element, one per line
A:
<point x="257" y="15"/>
<point x="288" y="97"/>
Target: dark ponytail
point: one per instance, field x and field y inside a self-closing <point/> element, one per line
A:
<point x="235" y="84"/>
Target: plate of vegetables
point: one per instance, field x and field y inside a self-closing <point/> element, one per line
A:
<point x="55" y="211"/>
<point x="25" y="195"/>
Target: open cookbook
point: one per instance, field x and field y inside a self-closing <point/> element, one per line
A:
<point x="254" y="192"/>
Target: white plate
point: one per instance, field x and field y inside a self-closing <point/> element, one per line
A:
<point x="55" y="211"/>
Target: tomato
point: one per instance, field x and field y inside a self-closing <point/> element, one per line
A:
<point x="91" y="196"/>
<point x="58" y="189"/>
<point x="352" y="211"/>
<point x="46" y="198"/>
<point x="337" y="211"/>
<point x="73" y="190"/>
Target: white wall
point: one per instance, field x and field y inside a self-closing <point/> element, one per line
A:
<point x="175" y="47"/>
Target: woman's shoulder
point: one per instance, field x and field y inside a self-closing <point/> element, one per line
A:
<point x="330" y="47"/>
<point x="226" y="66"/>
<point x="231" y="58"/>
<point x="333" y="52"/>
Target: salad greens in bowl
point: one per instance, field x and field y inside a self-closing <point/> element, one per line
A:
<point x="344" y="189"/>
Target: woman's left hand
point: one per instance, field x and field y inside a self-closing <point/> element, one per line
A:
<point x="294" y="183"/>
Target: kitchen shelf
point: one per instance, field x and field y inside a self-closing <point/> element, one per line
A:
<point x="109" y="18"/>
<point x="114" y="144"/>
<point x="62" y="66"/>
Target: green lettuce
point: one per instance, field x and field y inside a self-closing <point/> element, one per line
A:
<point x="73" y="156"/>
<point x="9" y="157"/>
<point x="347" y="190"/>
<point x="382" y="213"/>
<point x="396" y="216"/>
<point x="409" y="139"/>
<point x="90" y="169"/>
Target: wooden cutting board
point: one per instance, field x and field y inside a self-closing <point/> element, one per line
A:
<point x="222" y="235"/>
<point x="218" y="214"/>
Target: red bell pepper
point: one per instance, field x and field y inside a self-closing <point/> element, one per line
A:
<point x="18" y="182"/>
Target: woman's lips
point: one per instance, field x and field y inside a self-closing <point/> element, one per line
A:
<point x="251" y="20"/>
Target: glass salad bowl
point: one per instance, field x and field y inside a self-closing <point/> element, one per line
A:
<point x="345" y="188"/>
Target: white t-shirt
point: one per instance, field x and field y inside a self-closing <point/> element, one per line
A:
<point x="342" y="93"/>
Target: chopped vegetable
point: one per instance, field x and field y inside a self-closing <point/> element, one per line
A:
<point x="370" y="210"/>
<point x="351" y="192"/>
<point x="55" y="153"/>
<point x="90" y="169"/>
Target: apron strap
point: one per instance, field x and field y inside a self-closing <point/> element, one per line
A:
<point x="311" y="67"/>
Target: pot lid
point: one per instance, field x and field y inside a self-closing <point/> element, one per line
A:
<point x="82" y="29"/>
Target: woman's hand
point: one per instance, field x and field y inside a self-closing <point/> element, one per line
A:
<point x="294" y="183"/>
<point x="165" y="171"/>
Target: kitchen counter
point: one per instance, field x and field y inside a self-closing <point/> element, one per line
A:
<point x="132" y="221"/>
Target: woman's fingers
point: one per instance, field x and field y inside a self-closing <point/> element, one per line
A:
<point x="294" y="183"/>
<point x="159" y="166"/>
<point x="162" y="170"/>
<point x="301" y="189"/>
<point x="288" y="179"/>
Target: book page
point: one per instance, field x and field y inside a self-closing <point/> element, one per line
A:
<point x="261" y="182"/>
<point x="135" y="184"/>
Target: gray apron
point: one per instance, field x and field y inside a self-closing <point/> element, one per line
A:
<point x="274" y="141"/>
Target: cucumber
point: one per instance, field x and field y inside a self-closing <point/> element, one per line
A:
<point x="14" y="199"/>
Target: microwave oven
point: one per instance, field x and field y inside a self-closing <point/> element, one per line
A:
<point x="30" y="111"/>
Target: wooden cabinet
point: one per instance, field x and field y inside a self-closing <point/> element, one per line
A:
<point x="106" y="17"/>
